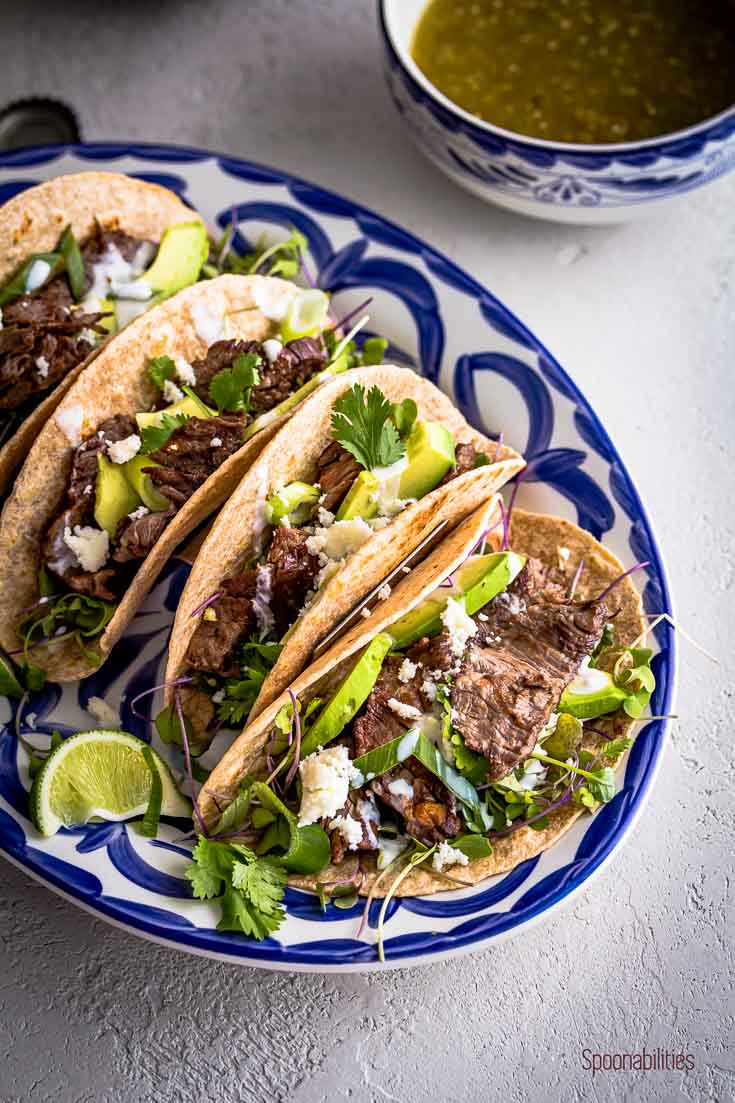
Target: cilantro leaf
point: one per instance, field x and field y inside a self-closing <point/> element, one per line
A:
<point x="230" y="388"/>
<point x="161" y="369"/>
<point x="153" y="437"/>
<point x="257" y="660"/>
<point x="250" y="889"/>
<point x="363" y="427"/>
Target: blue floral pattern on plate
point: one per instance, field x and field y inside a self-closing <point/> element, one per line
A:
<point x="456" y="332"/>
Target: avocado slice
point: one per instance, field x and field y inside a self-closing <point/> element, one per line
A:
<point x="143" y="485"/>
<point x="183" y="250"/>
<point x="361" y="498"/>
<point x="190" y="405"/>
<point x="350" y="697"/>
<point x="430" y="455"/>
<point x="479" y="579"/>
<point x="293" y="499"/>
<point x="114" y="497"/>
<point x="592" y="693"/>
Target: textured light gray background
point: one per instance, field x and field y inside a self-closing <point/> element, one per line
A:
<point x="643" y="317"/>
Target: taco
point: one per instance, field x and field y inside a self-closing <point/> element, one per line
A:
<point x="80" y="256"/>
<point x="460" y="731"/>
<point x="149" y="441"/>
<point x="361" y="474"/>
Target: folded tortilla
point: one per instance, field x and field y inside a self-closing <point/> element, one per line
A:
<point x="117" y="382"/>
<point x="531" y="534"/>
<point x="292" y="456"/>
<point x="33" y="221"/>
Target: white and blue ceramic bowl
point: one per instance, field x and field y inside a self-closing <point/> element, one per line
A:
<point x="560" y="181"/>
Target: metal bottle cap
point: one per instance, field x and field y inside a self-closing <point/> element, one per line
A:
<point x="37" y="122"/>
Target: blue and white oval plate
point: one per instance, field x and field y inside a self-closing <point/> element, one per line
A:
<point x="458" y="334"/>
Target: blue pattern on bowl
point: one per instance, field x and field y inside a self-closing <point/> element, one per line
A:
<point x="139" y="883"/>
<point x="553" y="180"/>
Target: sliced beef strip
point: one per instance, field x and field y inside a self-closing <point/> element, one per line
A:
<point x="293" y="574"/>
<point x="215" y="643"/>
<point x="465" y="456"/>
<point x="430" y="812"/>
<point x="79" y="510"/>
<point x="294" y="366"/>
<point x="138" y="537"/>
<point x="220" y="355"/>
<point x="337" y="472"/>
<point x="354" y="808"/>
<point x="527" y="650"/>
<point x="42" y="326"/>
<point x="188" y="458"/>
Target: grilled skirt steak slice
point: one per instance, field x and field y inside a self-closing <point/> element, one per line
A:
<point x="430" y="809"/>
<point x="41" y="339"/>
<point x="137" y="538"/>
<point x="294" y="366"/>
<point x="293" y="574"/>
<point x="337" y="472"/>
<point x="465" y="456"/>
<point x="188" y="458"/>
<point x="527" y="650"/>
<point x="359" y="806"/>
<point x="215" y="643"/>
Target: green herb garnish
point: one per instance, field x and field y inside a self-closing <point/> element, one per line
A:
<point x="249" y="889"/>
<point x="230" y="388"/>
<point x="257" y="660"/>
<point x="282" y="259"/>
<point x="16" y="285"/>
<point x="149" y="826"/>
<point x="81" y="618"/>
<point x="160" y="369"/>
<point x="364" y="428"/>
<point x="153" y="437"/>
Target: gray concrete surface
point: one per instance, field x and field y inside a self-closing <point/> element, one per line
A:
<point x="645" y="320"/>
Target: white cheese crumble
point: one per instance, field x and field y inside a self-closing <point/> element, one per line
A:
<point x="215" y="442"/>
<point x="184" y="372"/>
<point x="447" y="855"/>
<point x="459" y="624"/>
<point x="91" y="546"/>
<point x="141" y="511"/>
<point x="171" y="392"/>
<point x="563" y="554"/>
<point x="325" y="517"/>
<point x="384" y="592"/>
<point x="339" y="540"/>
<point x="69" y="419"/>
<point x="406" y="712"/>
<point x="120" y="451"/>
<point x="207" y="326"/>
<point x="37" y="274"/>
<point x="42" y="366"/>
<point x="325" y="780"/>
<point x="387" y="495"/>
<point x="366" y="613"/>
<point x="429" y="688"/>
<point x="407" y="671"/>
<point x="349" y="828"/>
<point x="103" y="713"/>
<point x="218" y="697"/>
<point x="401" y="788"/>
<point x="512" y="602"/>
<point x="272" y="349"/>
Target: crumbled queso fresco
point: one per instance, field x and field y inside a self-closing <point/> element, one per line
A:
<point x="447" y="855"/>
<point x="325" y="780"/>
<point x="459" y="624"/>
<point x="120" y="451"/>
<point x="91" y="546"/>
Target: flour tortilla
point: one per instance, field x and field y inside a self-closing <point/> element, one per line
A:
<point x="33" y="221"/>
<point x="532" y="534"/>
<point x="292" y="456"/>
<point x="117" y="383"/>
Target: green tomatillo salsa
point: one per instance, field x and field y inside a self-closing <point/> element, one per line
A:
<point x="587" y="71"/>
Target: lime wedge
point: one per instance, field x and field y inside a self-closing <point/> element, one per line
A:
<point x="99" y="773"/>
<point x="305" y="315"/>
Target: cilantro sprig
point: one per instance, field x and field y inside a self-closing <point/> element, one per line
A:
<point x="363" y="426"/>
<point x="230" y="388"/>
<point x="250" y="889"/>
<point x="160" y="369"/>
<point x="257" y="660"/>
<point x="153" y="437"/>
